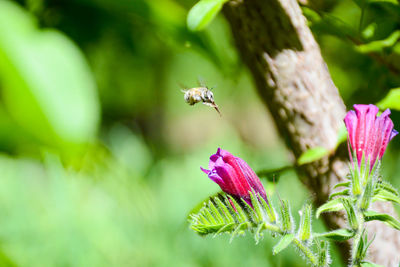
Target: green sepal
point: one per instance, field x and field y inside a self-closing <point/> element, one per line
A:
<point x="304" y="233"/>
<point x="323" y="254"/>
<point x="385" y="218"/>
<point x="258" y="213"/>
<point x="269" y="209"/>
<point x="337" y="235"/>
<point x="351" y="214"/>
<point x="355" y="180"/>
<point x="283" y="243"/>
<point x="367" y="194"/>
<point x="364" y="170"/>
<point x="342" y="184"/>
<point x="345" y="192"/>
<point x="332" y="205"/>
<point x="287" y="220"/>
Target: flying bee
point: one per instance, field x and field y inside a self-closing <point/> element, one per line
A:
<point x="200" y="94"/>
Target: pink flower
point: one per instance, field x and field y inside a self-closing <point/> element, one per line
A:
<point x="234" y="176"/>
<point x="367" y="133"/>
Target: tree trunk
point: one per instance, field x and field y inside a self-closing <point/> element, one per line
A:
<point x="294" y="82"/>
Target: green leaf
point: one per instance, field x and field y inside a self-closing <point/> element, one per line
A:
<point x="378" y="46"/>
<point x="385" y="195"/>
<point x="391" y="100"/>
<point x="388" y="187"/>
<point x="370" y="264"/>
<point x="385" y="218"/>
<point x="283" y="243"/>
<point x="333" y="205"/>
<point x="202" y="13"/>
<point x="345" y="192"/>
<point x="343" y="184"/>
<point x="337" y="235"/>
<point x="47" y="85"/>
<point x="312" y="154"/>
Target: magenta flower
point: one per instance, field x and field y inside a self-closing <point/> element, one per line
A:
<point x="234" y="176"/>
<point x="367" y="133"/>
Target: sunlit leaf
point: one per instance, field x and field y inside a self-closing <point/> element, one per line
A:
<point x="337" y="235"/>
<point x="48" y="88"/>
<point x="385" y="218"/>
<point x="283" y="243"/>
<point x="203" y="13"/>
<point x="391" y="100"/>
<point x="333" y="205"/>
<point x="312" y="154"/>
<point x="385" y="195"/>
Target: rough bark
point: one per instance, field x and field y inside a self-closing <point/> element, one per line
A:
<point x="294" y="82"/>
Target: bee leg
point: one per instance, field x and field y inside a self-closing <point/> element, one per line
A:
<point x="213" y="105"/>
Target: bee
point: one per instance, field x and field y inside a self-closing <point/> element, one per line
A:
<point x="200" y="94"/>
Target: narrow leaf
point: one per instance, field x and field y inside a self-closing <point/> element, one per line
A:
<point x="345" y="192"/>
<point x="227" y="215"/>
<point x="333" y="205"/>
<point x="216" y="213"/>
<point x="242" y="216"/>
<point x="384" y="195"/>
<point x="283" y="243"/>
<point x="312" y="154"/>
<point x="202" y="13"/>
<point x="388" y="187"/>
<point x="370" y="264"/>
<point x="385" y="218"/>
<point x="343" y="184"/>
<point x="337" y="235"/>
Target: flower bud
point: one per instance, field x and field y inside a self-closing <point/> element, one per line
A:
<point x="234" y="176"/>
<point x="368" y="134"/>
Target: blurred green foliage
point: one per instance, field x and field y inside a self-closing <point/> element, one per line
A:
<point x="100" y="155"/>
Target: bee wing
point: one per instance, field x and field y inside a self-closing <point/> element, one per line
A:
<point x="215" y="86"/>
<point x="183" y="87"/>
<point x="201" y="82"/>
